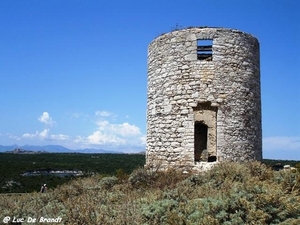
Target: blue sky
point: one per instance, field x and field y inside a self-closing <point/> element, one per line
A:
<point x="74" y="72"/>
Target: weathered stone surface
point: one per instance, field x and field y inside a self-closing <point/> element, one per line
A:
<point x="221" y="92"/>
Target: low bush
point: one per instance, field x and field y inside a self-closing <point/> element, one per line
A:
<point x="108" y="182"/>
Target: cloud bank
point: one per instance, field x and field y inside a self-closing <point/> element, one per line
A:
<point x="107" y="134"/>
<point x="281" y="143"/>
<point x="281" y="147"/>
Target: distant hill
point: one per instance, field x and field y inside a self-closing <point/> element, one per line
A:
<point x="29" y="149"/>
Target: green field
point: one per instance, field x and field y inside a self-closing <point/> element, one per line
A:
<point x="12" y="166"/>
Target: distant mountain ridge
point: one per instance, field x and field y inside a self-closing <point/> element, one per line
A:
<point x="50" y="149"/>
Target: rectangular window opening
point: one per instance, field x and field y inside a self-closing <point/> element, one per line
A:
<point x="204" y="50"/>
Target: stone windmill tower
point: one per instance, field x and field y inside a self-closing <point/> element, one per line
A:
<point x="204" y="102"/>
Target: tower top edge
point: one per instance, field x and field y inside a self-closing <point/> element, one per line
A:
<point x="197" y="29"/>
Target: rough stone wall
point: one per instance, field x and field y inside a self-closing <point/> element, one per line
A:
<point x="223" y="94"/>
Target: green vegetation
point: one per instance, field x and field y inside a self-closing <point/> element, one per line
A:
<point x="13" y="165"/>
<point x="271" y="162"/>
<point x="230" y="194"/>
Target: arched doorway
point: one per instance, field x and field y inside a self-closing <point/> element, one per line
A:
<point x="200" y="141"/>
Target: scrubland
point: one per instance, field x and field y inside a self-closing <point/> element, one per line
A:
<point x="230" y="193"/>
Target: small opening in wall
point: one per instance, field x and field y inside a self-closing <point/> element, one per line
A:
<point x="212" y="158"/>
<point x="204" y="50"/>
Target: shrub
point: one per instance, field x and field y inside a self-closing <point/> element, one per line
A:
<point x="121" y="175"/>
<point x="142" y="178"/>
<point x="157" y="212"/>
<point x="108" y="182"/>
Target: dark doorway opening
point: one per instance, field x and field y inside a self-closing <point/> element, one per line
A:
<point x="200" y="142"/>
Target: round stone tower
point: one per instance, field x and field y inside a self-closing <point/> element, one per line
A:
<point x="204" y="103"/>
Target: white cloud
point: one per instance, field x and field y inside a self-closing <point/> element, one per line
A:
<point x="281" y="143"/>
<point x="27" y="135"/>
<point x="60" y="137"/>
<point x="103" y="124"/>
<point x="143" y="139"/>
<point x="103" y="113"/>
<point x="45" y="118"/>
<point x="44" y="137"/>
<point x="99" y="138"/>
<point x="112" y="135"/>
<point x="76" y="115"/>
<point x="13" y="137"/>
<point x="43" y="134"/>
<point x="124" y="129"/>
<point x="281" y="147"/>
